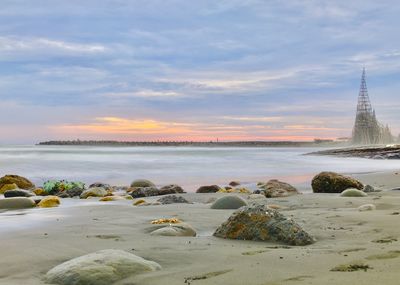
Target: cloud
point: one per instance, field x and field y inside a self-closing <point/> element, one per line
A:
<point x="145" y="94"/>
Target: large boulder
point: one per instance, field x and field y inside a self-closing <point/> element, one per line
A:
<point x="17" y="203"/>
<point x="171" y="189"/>
<point x="263" y="224"/>
<point x="331" y="182"/>
<point x="138" y="192"/>
<point x="275" y="188"/>
<point x="94" y="192"/>
<point x="20" y="181"/>
<point x="142" y="183"/>
<point x="172" y="199"/>
<point x="106" y="186"/>
<point x="103" y="267"/>
<point x="18" y="193"/>
<point x="177" y="230"/>
<point x="208" y="189"/>
<point x="229" y="202"/>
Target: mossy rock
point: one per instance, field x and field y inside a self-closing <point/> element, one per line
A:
<point x="7" y="187"/>
<point x="228" y="202"/>
<point x="49" y="202"/>
<point x="353" y="193"/>
<point x="142" y="183"/>
<point x="331" y="182"/>
<point x="21" y="182"/>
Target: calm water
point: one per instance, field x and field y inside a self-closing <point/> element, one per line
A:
<point x="187" y="166"/>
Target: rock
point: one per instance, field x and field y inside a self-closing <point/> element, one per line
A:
<point x="172" y="199"/>
<point x="229" y="202"/>
<point x="234" y="183"/>
<point x="142" y="183"/>
<point x="112" y="198"/>
<point x="107" y="187"/>
<point x="275" y="188"/>
<point x="331" y="182"/>
<point x="367" y="207"/>
<point x="74" y="192"/>
<point x="166" y="221"/>
<point x="352" y="192"/>
<point x="139" y="192"/>
<point x="20" y="181"/>
<point x="257" y="197"/>
<point x="7" y="187"/>
<point x="49" y="202"/>
<point x="263" y="224"/>
<point x="39" y="192"/>
<point x="18" y="193"/>
<point x="208" y="189"/>
<point x="240" y="190"/>
<point x="368" y="188"/>
<point x="17" y="203"/>
<point x="63" y="195"/>
<point x="138" y="202"/>
<point x="94" y="192"/>
<point x="171" y="189"/>
<point x="177" y="230"/>
<point x="103" y="267"/>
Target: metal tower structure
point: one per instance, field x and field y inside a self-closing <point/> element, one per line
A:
<point x="367" y="130"/>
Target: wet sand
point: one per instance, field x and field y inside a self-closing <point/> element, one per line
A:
<point x="33" y="241"/>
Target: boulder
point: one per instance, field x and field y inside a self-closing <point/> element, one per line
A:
<point x="234" y="183"/>
<point x="17" y="203"/>
<point x="367" y="207"/>
<point x="20" y="181"/>
<point x="49" y="202"/>
<point x="260" y="223"/>
<point x="103" y="267"/>
<point x="7" y="187"/>
<point x="229" y="202"/>
<point x="208" y="189"/>
<point x="275" y="188"/>
<point x="93" y="192"/>
<point x="39" y="192"/>
<point x="142" y="183"/>
<point x="18" y="193"/>
<point x="241" y="190"/>
<point x="368" y="188"/>
<point x="107" y="187"/>
<point x="63" y="195"/>
<point x="172" y="199"/>
<point x="331" y="182"/>
<point x="171" y="189"/>
<point x="352" y="192"/>
<point x="139" y="192"/>
<point x="74" y="192"/>
<point x="179" y="229"/>
<point x="112" y="198"/>
<point x="139" y="202"/>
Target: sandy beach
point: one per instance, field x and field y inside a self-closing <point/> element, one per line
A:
<point x="34" y="241"/>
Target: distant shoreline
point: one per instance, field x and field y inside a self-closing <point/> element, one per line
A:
<point x="316" y="143"/>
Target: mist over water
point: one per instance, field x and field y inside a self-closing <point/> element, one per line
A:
<point x="186" y="166"/>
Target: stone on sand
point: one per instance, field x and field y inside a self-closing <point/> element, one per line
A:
<point x="49" y="202"/>
<point x="260" y="223"/>
<point x="138" y="192"/>
<point x="21" y="182"/>
<point x="18" y="193"/>
<point x="275" y="188"/>
<point x="367" y="207"/>
<point x="208" y="189"/>
<point x="172" y="199"/>
<point x="171" y="189"/>
<point x="94" y="192"/>
<point x="352" y="192"/>
<point x="142" y="183"/>
<point x="177" y="230"/>
<point x="331" y="182"/>
<point x="103" y="267"/>
<point x="17" y="203"/>
<point x="229" y="202"/>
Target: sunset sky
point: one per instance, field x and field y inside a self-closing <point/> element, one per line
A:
<point x="194" y="70"/>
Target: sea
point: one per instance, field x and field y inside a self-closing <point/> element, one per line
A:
<point x="189" y="167"/>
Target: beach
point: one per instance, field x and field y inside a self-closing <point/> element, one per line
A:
<point x="36" y="240"/>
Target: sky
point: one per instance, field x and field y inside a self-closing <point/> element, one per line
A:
<point x="194" y="70"/>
